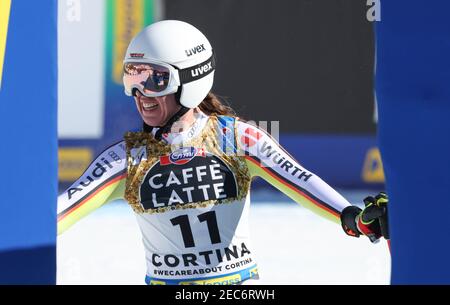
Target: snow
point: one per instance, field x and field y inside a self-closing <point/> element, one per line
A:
<point x="292" y="246"/>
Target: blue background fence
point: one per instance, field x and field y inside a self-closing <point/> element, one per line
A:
<point x="28" y="104"/>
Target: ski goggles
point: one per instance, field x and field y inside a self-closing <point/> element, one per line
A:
<point x="153" y="78"/>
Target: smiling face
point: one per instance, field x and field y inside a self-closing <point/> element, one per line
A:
<point x="156" y="111"/>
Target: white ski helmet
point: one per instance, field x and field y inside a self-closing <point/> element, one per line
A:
<point x="168" y="57"/>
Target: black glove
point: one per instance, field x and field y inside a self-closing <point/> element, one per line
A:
<point x="372" y="221"/>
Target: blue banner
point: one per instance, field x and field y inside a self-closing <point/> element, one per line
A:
<point x="413" y="77"/>
<point x="28" y="111"/>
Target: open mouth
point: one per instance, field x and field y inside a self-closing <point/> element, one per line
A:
<point x="149" y="106"/>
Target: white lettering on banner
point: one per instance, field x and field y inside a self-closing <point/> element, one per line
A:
<point x="174" y="198"/>
<point x="188" y="191"/>
<point x="215" y="173"/>
<point x="204" y="188"/>
<point x="201" y="70"/>
<point x="218" y="188"/>
<point x="155" y="201"/>
<point x="200" y="173"/>
<point x="172" y="179"/>
<point x="186" y="176"/>
<point x="153" y="184"/>
<point x="189" y="178"/>
<point x="209" y="257"/>
<point x="219" y="191"/>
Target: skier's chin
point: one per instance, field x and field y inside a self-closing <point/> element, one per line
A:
<point x="153" y="119"/>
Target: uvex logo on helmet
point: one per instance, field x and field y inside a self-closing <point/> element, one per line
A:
<point x="195" y="50"/>
<point x="201" y="70"/>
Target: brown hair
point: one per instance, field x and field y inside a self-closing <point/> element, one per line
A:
<point x="212" y="105"/>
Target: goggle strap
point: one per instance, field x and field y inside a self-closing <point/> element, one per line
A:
<point x="196" y="72"/>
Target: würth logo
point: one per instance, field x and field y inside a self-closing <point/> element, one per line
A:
<point x="195" y="50"/>
<point x="201" y="70"/>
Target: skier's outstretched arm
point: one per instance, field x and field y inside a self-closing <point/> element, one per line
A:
<point x="103" y="181"/>
<point x="267" y="159"/>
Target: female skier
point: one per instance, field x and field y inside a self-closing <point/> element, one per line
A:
<point x="187" y="174"/>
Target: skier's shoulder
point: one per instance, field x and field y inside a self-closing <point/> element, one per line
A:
<point x="112" y="159"/>
<point x="115" y="151"/>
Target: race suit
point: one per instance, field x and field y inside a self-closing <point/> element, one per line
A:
<point x="190" y="193"/>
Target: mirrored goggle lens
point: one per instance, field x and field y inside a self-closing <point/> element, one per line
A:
<point x="148" y="78"/>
